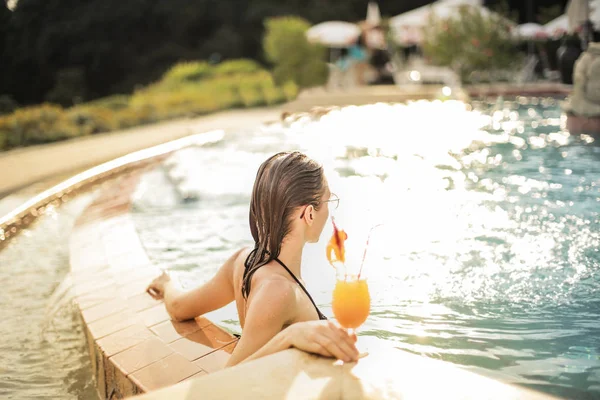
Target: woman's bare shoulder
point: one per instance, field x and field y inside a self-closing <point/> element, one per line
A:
<point x="274" y="291"/>
<point x="271" y="275"/>
<point x="242" y="254"/>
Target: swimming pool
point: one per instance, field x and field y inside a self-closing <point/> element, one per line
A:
<point x="43" y="343"/>
<point x="489" y="253"/>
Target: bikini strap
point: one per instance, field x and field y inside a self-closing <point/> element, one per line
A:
<point x="321" y="315"/>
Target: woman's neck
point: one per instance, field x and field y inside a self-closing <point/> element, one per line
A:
<point x="291" y="255"/>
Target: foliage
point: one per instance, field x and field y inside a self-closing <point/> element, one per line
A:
<point x="5" y="17"/>
<point x="189" y="72"/>
<point x="114" y="102"/>
<point x="294" y="58"/>
<point x="90" y="120"/>
<point x="470" y="41"/>
<point x="241" y="66"/>
<point x="290" y="90"/>
<point x="547" y="14"/>
<point x="38" y="124"/>
<point x="180" y="94"/>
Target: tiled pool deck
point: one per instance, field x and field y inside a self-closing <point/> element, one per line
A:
<point x="134" y="345"/>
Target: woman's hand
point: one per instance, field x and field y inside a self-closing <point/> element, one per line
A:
<point x="156" y="288"/>
<point x="325" y="338"/>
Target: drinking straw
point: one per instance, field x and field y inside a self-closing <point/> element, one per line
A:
<point x="366" y="247"/>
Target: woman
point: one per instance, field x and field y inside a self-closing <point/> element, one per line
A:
<point x="289" y="208"/>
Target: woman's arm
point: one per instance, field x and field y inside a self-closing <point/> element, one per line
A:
<point x="212" y="295"/>
<point x="272" y="307"/>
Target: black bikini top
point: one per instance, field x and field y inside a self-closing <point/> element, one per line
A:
<point x="321" y="316"/>
<point x="319" y="313"/>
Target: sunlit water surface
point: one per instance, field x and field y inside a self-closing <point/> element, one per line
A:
<point x="489" y="253"/>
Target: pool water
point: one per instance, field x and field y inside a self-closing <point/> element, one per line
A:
<point x="489" y="252"/>
<point x="43" y="348"/>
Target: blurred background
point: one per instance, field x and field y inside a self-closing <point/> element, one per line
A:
<point x="65" y="51"/>
<point x="97" y="66"/>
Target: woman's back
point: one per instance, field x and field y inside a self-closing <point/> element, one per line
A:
<point x="271" y="272"/>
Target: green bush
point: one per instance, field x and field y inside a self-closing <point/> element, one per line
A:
<point x="293" y="57"/>
<point x="188" y="72"/>
<point x="290" y="90"/>
<point x="92" y="120"/>
<point x="234" y="67"/>
<point x="250" y="90"/>
<point x="175" y="98"/>
<point x="470" y="41"/>
<point x="37" y="124"/>
<point x="115" y="102"/>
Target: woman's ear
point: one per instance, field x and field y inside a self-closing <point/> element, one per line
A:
<point x="309" y="214"/>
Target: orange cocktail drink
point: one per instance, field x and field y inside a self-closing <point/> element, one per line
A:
<point x="351" y="302"/>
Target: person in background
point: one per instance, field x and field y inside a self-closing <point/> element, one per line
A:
<point x="359" y="58"/>
<point x="380" y="58"/>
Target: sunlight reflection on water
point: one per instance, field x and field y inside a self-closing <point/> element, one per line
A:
<point x="488" y="256"/>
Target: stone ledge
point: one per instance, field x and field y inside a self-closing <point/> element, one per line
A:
<point x="134" y="345"/>
<point x="386" y="373"/>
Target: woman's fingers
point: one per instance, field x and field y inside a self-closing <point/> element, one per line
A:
<point x="156" y="287"/>
<point x="155" y="294"/>
<point x="325" y="338"/>
<point x="346" y="343"/>
<point x="336" y="346"/>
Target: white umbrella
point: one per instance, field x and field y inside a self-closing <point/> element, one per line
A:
<point x="373" y="14"/>
<point x="418" y="16"/>
<point x="531" y="30"/>
<point x="334" y="33"/>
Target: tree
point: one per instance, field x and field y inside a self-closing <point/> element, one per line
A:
<point x="5" y="17"/>
<point x="547" y="14"/>
<point x="470" y="41"/>
<point x="294" y="58"/>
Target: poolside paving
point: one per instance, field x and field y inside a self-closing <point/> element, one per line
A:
<point x="134" y="344"/>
